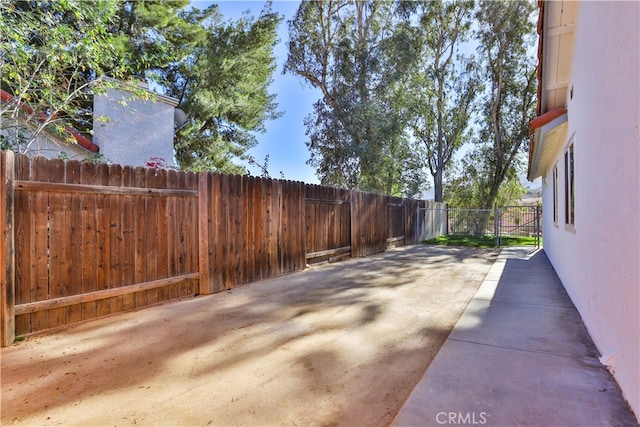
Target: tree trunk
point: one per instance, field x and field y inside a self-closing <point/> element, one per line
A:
<point x="437" y="183"/>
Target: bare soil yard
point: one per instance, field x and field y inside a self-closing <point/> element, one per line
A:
<point x="340" y="344"/>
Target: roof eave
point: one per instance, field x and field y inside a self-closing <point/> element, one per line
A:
<point x="547" y="135"/>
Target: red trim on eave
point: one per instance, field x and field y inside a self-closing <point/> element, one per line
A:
<point x="80" y="139"/>
<point x="545" y="118"/>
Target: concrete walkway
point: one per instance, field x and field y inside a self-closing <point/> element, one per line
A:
<point x="519" y="355"/>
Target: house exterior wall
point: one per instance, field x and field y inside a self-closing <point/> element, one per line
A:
<point x="134" y="129"/>
<point x="599" y="261"/>
<point x="43" y="145"/>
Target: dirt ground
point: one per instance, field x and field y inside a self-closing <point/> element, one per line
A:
<point x="341" y="344"/>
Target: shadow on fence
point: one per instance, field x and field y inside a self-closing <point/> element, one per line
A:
<point x="83" y="240"/>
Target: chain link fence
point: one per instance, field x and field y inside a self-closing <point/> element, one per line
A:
<point x="437" y="220"/>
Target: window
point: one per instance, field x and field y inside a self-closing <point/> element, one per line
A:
<point x="554" y="175"/>
<point x="569" y="200"/>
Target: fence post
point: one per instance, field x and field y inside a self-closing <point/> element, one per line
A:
<point x="496" y="226"/>
<point x="7" y="248"/>
<point x="446" y="211"/>
<point x="206" y="278"/>
<point x="355" y="224"/>
<point x="538" y="231"/>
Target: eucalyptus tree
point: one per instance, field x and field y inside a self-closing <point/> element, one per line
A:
<point x="465" y="185"/>
<point x="355" y="53"/>
<point x="506" y="36"/>
<point x="442" y="88"/>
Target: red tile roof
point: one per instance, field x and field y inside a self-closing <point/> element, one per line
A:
<point x="80" y="139"/>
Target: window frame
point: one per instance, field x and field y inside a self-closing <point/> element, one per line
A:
<point x="556" y="207"/>
<point x="569" y="187"/>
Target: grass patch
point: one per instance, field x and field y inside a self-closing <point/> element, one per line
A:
<point x="482" y="241"/>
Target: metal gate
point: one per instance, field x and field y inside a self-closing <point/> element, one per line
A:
<point x="498" y="222"/>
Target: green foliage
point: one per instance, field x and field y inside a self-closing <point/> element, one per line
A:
<point x="53" y="54"/>
<point x="223" y="87"/>
<point x="483" y="241"/>
<point x="398" y="97"/>
<point x="466" y="187"/>
<point x="442" y="87"/>
<point x="355" y="53"/>
<point x="149" y="33"/>
<point x="505" y="35"/>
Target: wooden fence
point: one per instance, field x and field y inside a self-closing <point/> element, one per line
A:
<point x="84" y="240"/>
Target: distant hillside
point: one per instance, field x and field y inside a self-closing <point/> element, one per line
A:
<point x="532" y="196"/>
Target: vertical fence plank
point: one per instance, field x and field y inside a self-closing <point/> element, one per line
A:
<point x="225" y="232"/>
<point x="277" y="213"/>
<point x="59" y="247"/>
<point x="309" y="215"/>
<point x="40" y="228"/>
<point x="216" y="233"/>
<point x="151" y="236"/>
<point x="355" y="239"/>
<point x="24" y="243"/>
<point x="91" y="238"/>
<point x="288" y="232"/>
<point x="117" y="251"/>
<point x="181" y="235"/>
<point x="272" y="221"/>
<point x="140" y="237"/>
<point x="238" y="240"/>
<point x="172" y="242"/>
<point x="249" y="244"/>
<point x="259" y="215"/>
<point x="162" y="233"/>
<point x="205" y="284"/>
<point x="295" y="209"/>
<point x="128" y="238"/>
<point x="238" y="224"/>
<point x="73" y="225"/>
<point x="103" y="246"/>
<point x="7" y="248"/>
<point x="192" y="239"/>
<point x="246" y="256"/>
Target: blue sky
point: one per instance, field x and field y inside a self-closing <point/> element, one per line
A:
<point x="284" y="139"/>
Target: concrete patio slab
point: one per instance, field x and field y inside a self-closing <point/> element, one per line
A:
<point x="341" y="344"/>
<point x="519" y="356"/>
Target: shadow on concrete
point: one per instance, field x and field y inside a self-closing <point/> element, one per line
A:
<point x="340" y="344"/>
<point x="519" y="355"/>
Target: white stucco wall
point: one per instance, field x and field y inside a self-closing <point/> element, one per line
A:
<point x="44" y="144"/>
<point x="599" y="262"/>
<point x="135" y="132"/>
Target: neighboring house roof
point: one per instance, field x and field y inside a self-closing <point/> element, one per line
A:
<point x="134" y="86"/>
<point x="80" y="139"/>
<point x="556" y="27"/>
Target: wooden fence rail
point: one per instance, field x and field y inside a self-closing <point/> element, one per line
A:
<point x="83" y="240"/>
